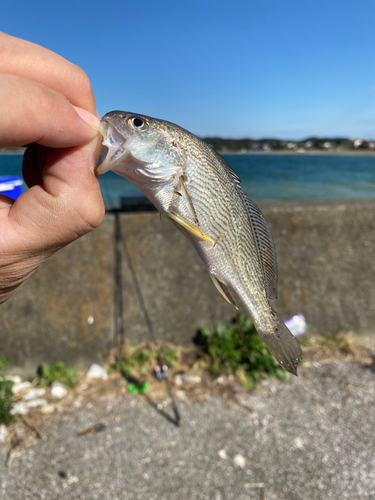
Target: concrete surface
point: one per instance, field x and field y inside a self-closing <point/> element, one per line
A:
<point x="67" y="311"/>
<point x="309" y="438"/>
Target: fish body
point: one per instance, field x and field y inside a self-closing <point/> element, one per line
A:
<point x="191" y="184"/>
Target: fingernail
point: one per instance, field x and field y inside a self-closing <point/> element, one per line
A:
<point x="89" y="118"/>
<point x="95" y="148"/>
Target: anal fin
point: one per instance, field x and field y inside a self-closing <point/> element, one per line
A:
<point x="223" y="289"/>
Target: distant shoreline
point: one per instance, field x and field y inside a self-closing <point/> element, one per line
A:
<point x="11" y="153"/>
<point x="315" y="152"/>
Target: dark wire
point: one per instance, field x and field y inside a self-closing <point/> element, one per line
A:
<point x="121" y="240"/>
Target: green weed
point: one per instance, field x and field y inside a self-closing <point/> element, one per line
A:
<point x="138" y="360"/>
<point x="239" y="349"/>
<point x="57" y="373"/>
<point x="6" y="394"/>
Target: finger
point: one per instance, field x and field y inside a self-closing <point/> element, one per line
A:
<point x="36" y="63"/>
<point x="67" y="205"/>
<point x="5" y="203"/>
<point x="35" y="113"/>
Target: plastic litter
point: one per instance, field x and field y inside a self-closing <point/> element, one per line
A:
<point x="34" y="394"/>
<point x="138" y="388"/>
<point x="161" y="372"/>
<point x="297" y="325"/>
<point x="96" y="371"/>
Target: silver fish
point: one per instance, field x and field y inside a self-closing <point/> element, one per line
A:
<point x="191" y="184"/>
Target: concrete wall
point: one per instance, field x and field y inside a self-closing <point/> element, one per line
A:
<point x="68" y="309"/>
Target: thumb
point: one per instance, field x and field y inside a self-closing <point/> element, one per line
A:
<point x="66" y="204"/>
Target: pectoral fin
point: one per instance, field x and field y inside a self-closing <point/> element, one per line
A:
<point x="182" y="191"/>
<point x="189" y="226"/>
<point x="223" y="289"/>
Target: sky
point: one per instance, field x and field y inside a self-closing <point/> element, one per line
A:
<point x="286" y="69"/>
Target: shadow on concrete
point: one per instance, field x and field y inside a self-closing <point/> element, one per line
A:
<point x="169" y="418"/>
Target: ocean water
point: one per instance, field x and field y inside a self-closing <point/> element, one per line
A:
<point x="266" y="177"/>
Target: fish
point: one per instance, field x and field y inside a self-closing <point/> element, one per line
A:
<point x="193" y="186"/>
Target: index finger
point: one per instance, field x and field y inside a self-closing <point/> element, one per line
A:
<point x="36" y="63"/>
<point x="35" y="113"/>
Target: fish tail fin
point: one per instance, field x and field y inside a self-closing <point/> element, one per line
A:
<point x="283" y="346"/>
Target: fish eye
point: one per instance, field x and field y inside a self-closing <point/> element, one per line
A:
<point x="138" y="123"/>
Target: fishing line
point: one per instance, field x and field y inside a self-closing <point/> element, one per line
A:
<point x="121" y="239"/>
<point x="149" y="326"/>
<point x="118" y="302"/>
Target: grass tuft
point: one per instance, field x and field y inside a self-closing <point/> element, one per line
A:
<point x="139" y="360"/>
<point x="57" y="373"/>
<point x="6" y="394"/>
<point x="238" y="349"/>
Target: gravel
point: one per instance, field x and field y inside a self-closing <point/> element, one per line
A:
<point x="309" y="438"/>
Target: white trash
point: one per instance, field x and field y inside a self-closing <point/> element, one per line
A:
<point x="34" y="403"/>
<point x="16" y="379"/>
<point x="96" y="371"/>
<point x="34" y="394"/>
<point x="185" y="377"/>
<point x="58" y="390"/>
<point x="20" y="409"/>
<point x="22" y="386"/>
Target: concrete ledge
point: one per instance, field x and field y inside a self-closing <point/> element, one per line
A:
<point x="66" y="311"/>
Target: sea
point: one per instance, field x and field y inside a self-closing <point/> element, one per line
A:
<point x="265" y="177"/>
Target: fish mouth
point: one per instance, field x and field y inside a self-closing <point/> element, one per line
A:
<point x="113" y="147"/>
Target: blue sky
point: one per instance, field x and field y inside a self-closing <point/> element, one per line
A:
<point x="265" y="68"/>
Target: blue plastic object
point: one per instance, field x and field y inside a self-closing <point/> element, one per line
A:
<point x="11" y="185"/>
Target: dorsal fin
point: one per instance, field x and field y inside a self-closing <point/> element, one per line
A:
<point x="265" y="246"/>
<point x="263" y="238"/>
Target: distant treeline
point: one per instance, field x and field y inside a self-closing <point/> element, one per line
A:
<point x="14" y="150"/>
<point x="327" y="144"/>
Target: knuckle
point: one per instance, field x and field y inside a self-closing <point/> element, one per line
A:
<point x="83" y="84"/>
<point x="91" y="216"/>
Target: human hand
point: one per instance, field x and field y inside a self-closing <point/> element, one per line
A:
<point x="48" y="103"/>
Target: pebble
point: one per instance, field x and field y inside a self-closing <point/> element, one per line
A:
<point x="58" y="390"/>
<point x="34" y="394"/>
<point x="48" y="409"/>
<point x="298" y="443"/>
<point x="4" y="433"/>
<point x="78" y="402"/>
<point x="222" y="454"/>
<point x="239" y="460"/>
<point x="96" y="371"/>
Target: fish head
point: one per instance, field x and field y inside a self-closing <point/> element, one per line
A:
<point x="139" y="145"/>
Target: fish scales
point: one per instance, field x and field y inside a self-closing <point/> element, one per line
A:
<point x="217" y="216"/>
<point x="197" y="190"/>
